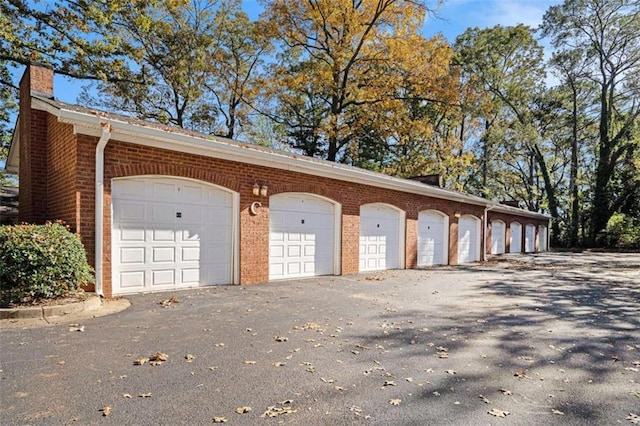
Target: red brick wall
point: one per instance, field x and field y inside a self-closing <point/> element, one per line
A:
<point x="73" y="199"/>
<point x="33" y="147"/>
<point x="61" y="173"/>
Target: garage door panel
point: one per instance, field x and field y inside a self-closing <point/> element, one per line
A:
<point x="131" y="211"/>
<point x="163" y="277"/>
<point x="131" y="235"/>
<point x="153" y="248"/>
<point x="132" y="255"/>
<point x="163" y="191"/>
<point x="132" y="279"/>
<point x="497" y="237"/>
<point x="164" y="255"/>
<point x="190" y="276"/>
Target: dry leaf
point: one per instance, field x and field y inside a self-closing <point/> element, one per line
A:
<point x="395" y="401"/>
<point x="338" y="388"/>
<point x="126" y="395"/>
<point x="409" y="379"/>
<point x="436" y="393"/>
<point x="243" y="409"/>
<point x="498" y="413"/>
<point x="219" y="419"/>
<point x="159" y="356"/>
<point x="520" y="373"/>
<point x="140" y="361"/>
<point x="189" y="357"/>
<point x="280" y="338"/>
<point x="506" y="392"/>
<point x="279" y="364"/>
<point x="633" y="419"/>
<point x="452" y="372"/>
<point x="145" y="395"/>
<point x="106" y="411"/>
<point x="558" y="412"/>
<point x="442" y="349"/>
<point x="484" y="399"/>
<point x="275" y="411"/>
<point x="443" y="355"/>
<point x="169" y="301"/>
<point x="77" y="328"/>
<point x="249" y="362"/>
<point x="389" y="383"/>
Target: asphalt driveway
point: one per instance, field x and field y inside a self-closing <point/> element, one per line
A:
<point x="548" y="339"/>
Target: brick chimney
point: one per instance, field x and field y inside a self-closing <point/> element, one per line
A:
<point x="36" y="81"/>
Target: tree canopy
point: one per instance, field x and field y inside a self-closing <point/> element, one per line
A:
<point x="357" y="82"/>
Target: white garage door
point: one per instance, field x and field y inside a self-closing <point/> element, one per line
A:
<point x="497" y="236"/>
<point x="468" y="239"/>
<point x="515" y="237"/>
<point x="302" y="238"/>
<point x="530" y="238"/>
<point x="433" y="238"/>
<point x="170" y="233"/>
<point x="381" y="234"/>
<point x="542" y="237"/>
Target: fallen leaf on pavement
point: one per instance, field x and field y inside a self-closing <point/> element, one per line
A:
<point x="189" y="357"/>
<point x="126" y="395"/>
<point x="633" y="419"/>
<point x="169" y="301"/>
<point x="219" y="419"/>
<point x="558" y="412"/>
<point x="274" y="410"/>
<point x="520" y="373"/>
<point x="338" y="388"/>
<point x="450" y="372"/>
<point x="498" y="413"/>
<point x="249" y="362"/>
<point x="389" y="383"/>
<point x="395" y="401"/>
<point x="484" y="399"/>
<point x="279" y="364"/>
<point x="140" y="361"/>
<point x="106" y="411"/>
<point x="280" y="338"/>
<point x="443" y="355"/>
<point x="75" y="327"/>
<point x="506" y="392"/>
<point x="145" y="395"/>
<point x="243" y="409"/>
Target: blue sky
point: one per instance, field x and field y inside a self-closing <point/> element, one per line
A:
<point x="454" y="17"/>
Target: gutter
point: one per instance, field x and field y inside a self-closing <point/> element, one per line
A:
<point x="99" y="219"/>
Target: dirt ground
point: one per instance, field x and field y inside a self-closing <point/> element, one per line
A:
<point x="550" y="338"/>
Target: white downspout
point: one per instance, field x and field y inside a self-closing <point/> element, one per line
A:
<point x="106" y="134"/>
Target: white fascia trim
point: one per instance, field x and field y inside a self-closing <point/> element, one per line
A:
<point x="90" y="124"/>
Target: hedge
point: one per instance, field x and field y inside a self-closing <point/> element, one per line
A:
<point x="41" y="262"/>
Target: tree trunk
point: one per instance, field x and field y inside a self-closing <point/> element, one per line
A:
<point x="573" y="174"/>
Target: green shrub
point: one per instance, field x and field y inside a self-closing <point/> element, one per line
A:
<point x="623" y="231"/>
<point x="40" y="262"/>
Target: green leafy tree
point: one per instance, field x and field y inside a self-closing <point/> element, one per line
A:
<point x="604" y="35"/>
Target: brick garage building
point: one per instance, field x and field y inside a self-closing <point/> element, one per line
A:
<point x="161" y="208"/>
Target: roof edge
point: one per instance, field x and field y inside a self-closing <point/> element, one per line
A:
<point x="238" y="151"/>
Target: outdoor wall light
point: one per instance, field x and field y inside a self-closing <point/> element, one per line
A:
<point x="260" y="190"/>
<point x="457" y="214"/>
